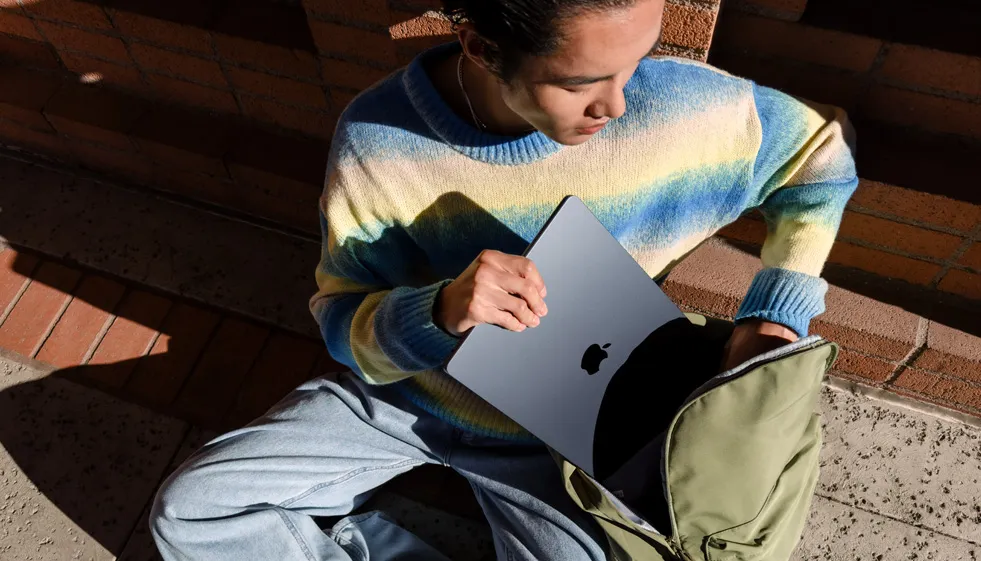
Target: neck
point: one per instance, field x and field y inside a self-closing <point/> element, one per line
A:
<point x="484" y="91"/>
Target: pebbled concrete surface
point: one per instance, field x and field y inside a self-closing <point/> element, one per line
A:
<point x="154" y="241"/>
<point x="76" y="466"/>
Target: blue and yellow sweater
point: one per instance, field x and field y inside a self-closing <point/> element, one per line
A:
<point x="413" y="193"/>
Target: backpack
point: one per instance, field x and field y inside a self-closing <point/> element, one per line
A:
<point x="738" y="457"/>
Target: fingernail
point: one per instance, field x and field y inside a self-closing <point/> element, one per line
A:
<point x="544" y="310"/>
<point x="536" y="321"/>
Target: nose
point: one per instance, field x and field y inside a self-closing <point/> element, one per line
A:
<point x="611" y="105"/>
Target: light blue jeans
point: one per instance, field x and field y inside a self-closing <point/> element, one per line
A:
<point x="253" y="493"/>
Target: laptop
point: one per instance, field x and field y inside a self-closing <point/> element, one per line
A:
<point x="552" y="379"/>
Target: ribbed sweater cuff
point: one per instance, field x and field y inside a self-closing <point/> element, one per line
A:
<point x="786" y="297"/>
<point x="404" y="325"/>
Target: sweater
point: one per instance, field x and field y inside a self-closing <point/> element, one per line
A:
<point x="413" y="193"/>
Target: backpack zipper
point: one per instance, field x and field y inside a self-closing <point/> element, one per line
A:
<point x="797" y="347"/>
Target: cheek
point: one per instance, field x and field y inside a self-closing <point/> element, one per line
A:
<point x="550" y="105"/>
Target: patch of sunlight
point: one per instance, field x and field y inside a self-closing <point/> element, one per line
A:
<point x="90" y="78"/>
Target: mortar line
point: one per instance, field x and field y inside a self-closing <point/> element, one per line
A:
<point x="912" y="221"/>
<point x="61" y="313"/>
<point x="922" y="331"/>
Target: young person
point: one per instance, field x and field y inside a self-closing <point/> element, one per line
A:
<point x="438" y="177"/>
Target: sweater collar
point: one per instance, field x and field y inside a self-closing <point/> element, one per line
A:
<point x="462" y="136"/>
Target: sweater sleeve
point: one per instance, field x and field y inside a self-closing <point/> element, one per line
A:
<point x="384" y="333"/>
<point x="803" y="176"/>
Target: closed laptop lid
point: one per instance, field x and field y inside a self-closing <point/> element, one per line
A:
<point x="601" y="304"/>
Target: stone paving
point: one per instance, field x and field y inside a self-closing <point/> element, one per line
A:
<point x="78" y="469"/>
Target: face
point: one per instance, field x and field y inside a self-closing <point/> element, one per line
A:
<point x="571" y="94"/>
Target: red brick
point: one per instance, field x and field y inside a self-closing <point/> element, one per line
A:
<point x="95" y="114"/>
<point x="129" y="338"/>
<point x="688" y="26"/>
<point x="816" y="83"/>
<point x="799" y="42"/>
<point x="972" y="257"/>
<point x="348" y="75"/>
<point x="870" y="327"/>
<point x="365" y="11"/>
<point x="952" y="352"/>
<point x="210" y="391"/>
<point x="183" y="139"/>
<point x="24" y="94"/>
<point x="183" y="66"/>
<point x="29" y="53"/>
<point x="904" y="237"/>
<point x="284" y="363"/>
<point x="283" y="89"/>
<point x="923" y="110"/>
<point x="411" y="26"/>
<point x="163" y="32"/>
<point x="11" y="6"/>
<point x="939" y="389"/>
<point x="89" y="313"/>
<point x="789" y="10"/>
<point x="107" y="160"/>
<point x="302" y="160"/>
<point x="314" y="123"/>
<point x="196" y="185"/>
<point x="882" y="263"/>
<point x="39" y="307"/>
<point x="15" y="272"/>
<point x="933" y="69"/>
<point x="279" y="60"/>
<point x="102" y="72"/>
<point x="275" y="197"/>
<point x="70" y="11"/>
<point x="14" y="24"/>
<point x="864" y="366"/>
<point x="907" y="204"/>
<point x="339" y="99"/>
<point x="49" y="144"/>
<point x="745" y="229"/>
<point x="187" y="93"/>
<point x="963" y="283"/>
<point x="96" y="44"/>
<point x="338" y="39"/>
<point x="159" y="375"/>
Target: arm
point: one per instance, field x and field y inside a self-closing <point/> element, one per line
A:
<point x="803" y="176"/>
<point x="382" y="332"/>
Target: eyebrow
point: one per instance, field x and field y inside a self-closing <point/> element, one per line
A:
<point x="586" y="80"/>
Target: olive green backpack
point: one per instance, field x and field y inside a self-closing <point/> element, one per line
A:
<point x="738" y="462"/>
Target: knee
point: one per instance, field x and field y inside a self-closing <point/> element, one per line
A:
<point x="173" y="510"/>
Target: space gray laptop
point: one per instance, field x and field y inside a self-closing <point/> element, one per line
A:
<point x="601" y="305"/>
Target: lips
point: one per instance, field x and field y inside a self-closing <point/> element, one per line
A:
<point x="591" y="130"/>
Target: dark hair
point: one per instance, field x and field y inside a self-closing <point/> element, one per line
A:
<point x="514" y="29"/>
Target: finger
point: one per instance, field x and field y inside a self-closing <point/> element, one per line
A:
<point x="524" y="288"/>
<point x="525" y="268"/>
<point x="505" y="319"/>
<point x="517" y="307"/>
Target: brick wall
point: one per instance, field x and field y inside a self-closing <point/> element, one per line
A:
<point x="229" y="103"/>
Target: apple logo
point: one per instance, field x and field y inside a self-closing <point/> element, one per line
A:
<point x="592" y="358"/>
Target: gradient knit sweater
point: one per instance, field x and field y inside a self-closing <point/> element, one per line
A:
<point x="413" y="193"/>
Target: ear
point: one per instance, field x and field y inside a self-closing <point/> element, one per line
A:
<point x="480" y="51"/>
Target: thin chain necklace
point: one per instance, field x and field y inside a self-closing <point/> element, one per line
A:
<point x="459" y="78"/>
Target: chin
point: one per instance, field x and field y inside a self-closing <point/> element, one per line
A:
<point x="570" y="138"/>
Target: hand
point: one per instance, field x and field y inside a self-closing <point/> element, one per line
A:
<point x="753" y="338"/>
<point x="497" y="288"/>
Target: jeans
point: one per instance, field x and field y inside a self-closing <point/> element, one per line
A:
<point x="253" y="493"/>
